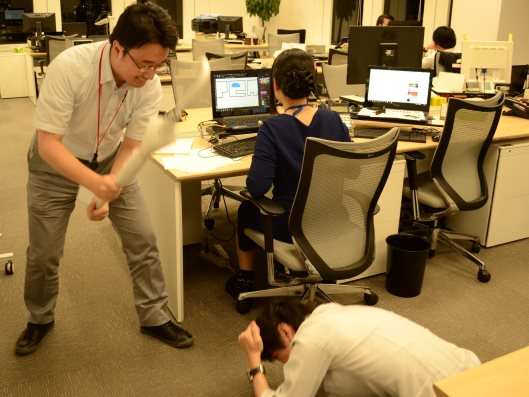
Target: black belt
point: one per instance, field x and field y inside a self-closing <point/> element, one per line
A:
<point x="90" y="164"/>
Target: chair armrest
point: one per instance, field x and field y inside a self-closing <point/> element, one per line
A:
<point x="265" y="204"/>
<point x="411" y="164"/>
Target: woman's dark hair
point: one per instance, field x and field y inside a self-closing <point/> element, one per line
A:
<point x="291" y="311"/>
<point x="293" y="72"/>
<point x="141" y="24"/>
<point x="444" y="37"/>
<point x="380" y="19"/>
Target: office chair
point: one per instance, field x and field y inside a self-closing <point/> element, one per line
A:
<point x="200" y="47"/>
<point x="331" y="220"/>
<point x="337" y="57"/>
<point x="239" y="60"/>
<point x="443" y="61"/>
<point x="456" y="180"/>
<point x="275" y="41"/>
<point x="335" y="79"/>
<point x="302" y="33"/>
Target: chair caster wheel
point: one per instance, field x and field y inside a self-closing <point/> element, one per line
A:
<point x="483" y="276"/>
<point x="370" y="299"/>
<point x="476" y="247"/>
<point x="9" y="268"/>
<point x="242" y="307"/>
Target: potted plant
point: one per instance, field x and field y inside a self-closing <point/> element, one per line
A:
<point x="264" y="9"/>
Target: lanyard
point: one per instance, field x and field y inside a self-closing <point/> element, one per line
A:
<point x="93" y="163"/>
<point x="298" y="108"/>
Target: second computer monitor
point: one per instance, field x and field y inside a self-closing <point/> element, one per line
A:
<point x="384" y="46"/>
<point x="35" y="22"/>
<point x="229" y="25"/>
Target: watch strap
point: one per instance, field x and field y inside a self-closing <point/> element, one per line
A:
<point x="254" y="371"/>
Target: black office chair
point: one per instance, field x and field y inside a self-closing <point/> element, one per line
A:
<point x="239" y="60"/>
<point x="302" y="33"/>
<point x="456" y="180"/>
<point x="444" y="61"/>
<point x="331" y="220"/>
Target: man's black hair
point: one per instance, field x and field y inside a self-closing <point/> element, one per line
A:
<point x="287" y="310"/>
<point x="444" y="37"/>
<point x="380" y="19"/>
<point x="141" y="24"/>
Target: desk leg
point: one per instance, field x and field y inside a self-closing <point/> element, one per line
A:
<point x="164" y="198"/>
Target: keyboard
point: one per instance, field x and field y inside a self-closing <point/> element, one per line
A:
<point x="405" y="136"/>
<point x="248" y="122"/>
<point x="238" y="148"/>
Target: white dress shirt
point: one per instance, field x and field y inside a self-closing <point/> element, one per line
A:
<point x="69" y="100"/>
<point x="366" y="351"/>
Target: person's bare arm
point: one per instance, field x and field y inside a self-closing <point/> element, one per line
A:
<point x="251" y="343"/>
<point x="127" y="147"/>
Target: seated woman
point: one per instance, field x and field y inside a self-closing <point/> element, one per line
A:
<point x="279" y="152"/>
<point x="443" y="38"/>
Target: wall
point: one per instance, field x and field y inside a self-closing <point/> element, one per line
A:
<point x="513" y="19"/>
<point x="484" y="13"/>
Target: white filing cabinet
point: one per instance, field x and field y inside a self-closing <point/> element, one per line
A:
<point x="505" y="217"/>
<point x="15" y="72"/>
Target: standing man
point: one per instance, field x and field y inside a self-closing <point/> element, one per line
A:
<point x="93" y="95"/>
<point x="354" y="350"/>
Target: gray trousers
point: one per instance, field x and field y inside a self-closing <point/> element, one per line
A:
<point x="51" y="200"/>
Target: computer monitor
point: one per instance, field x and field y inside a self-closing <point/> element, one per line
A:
<point x="229" y="25"/>
<point x="13" y="16"/>
<point x="491" y="60"/>
<point x="383" y="46"/>
<point x="405" y="23"/>
<point x="38" y="22"/>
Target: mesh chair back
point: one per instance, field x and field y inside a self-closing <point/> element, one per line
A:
<point x="332" y="216"/>
<point x="302" y="33"/>
<point x="335" y="78"/>
<point x="191" y="81"/>
<point x="275" y="41"/>
<point x="239" y="60"/>
<point x="457" y="164"/>
<point x="200" y="47"/>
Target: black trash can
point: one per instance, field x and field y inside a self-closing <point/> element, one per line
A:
<point x="406" y="261"/>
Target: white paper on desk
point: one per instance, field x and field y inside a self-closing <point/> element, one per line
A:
<point x="449" y="82"/>
<point x="180" y="146"/>
<point x="193" y="162"/>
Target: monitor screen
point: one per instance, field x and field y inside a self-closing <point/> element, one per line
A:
<point x="383" y="46"/>
<point x="487" y="60"/>
<point x="405" y="23"/>
<point x="228" y="25"/>
<point x="31" y="22"/>
<point x="13" y="16"/>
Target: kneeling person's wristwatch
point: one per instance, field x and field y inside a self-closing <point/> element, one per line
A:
<point x="254" y="371"/>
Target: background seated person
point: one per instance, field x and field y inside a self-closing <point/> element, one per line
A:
<point x="354" y="350"/>
<point x="443" y="38"/>
<point x="384" y="20"/>
<point x="279" y="152"/>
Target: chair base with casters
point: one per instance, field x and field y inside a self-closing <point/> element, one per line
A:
<point x="7" y="259"/>
<point x="455" y="180"/>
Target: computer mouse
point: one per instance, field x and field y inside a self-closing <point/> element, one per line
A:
<point x="436" y="137"/>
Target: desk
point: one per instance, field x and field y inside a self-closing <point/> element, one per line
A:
<point x="175" y="206"/>
<point x="503" y="376"/>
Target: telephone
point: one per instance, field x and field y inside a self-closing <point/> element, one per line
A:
<point x="518" y="108"/>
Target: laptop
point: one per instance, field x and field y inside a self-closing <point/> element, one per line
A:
<point x="397" y="94"/>
<point x="240" y="99"/>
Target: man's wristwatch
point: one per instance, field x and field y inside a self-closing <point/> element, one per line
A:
<point x="254" y="371"/>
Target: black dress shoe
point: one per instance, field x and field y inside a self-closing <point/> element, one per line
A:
<point x="237" y="284"/>
<point x="170" y="333"/>
<point x="30" y="338"/>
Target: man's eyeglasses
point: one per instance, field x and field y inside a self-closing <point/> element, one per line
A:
<point x="158" y="69"/>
